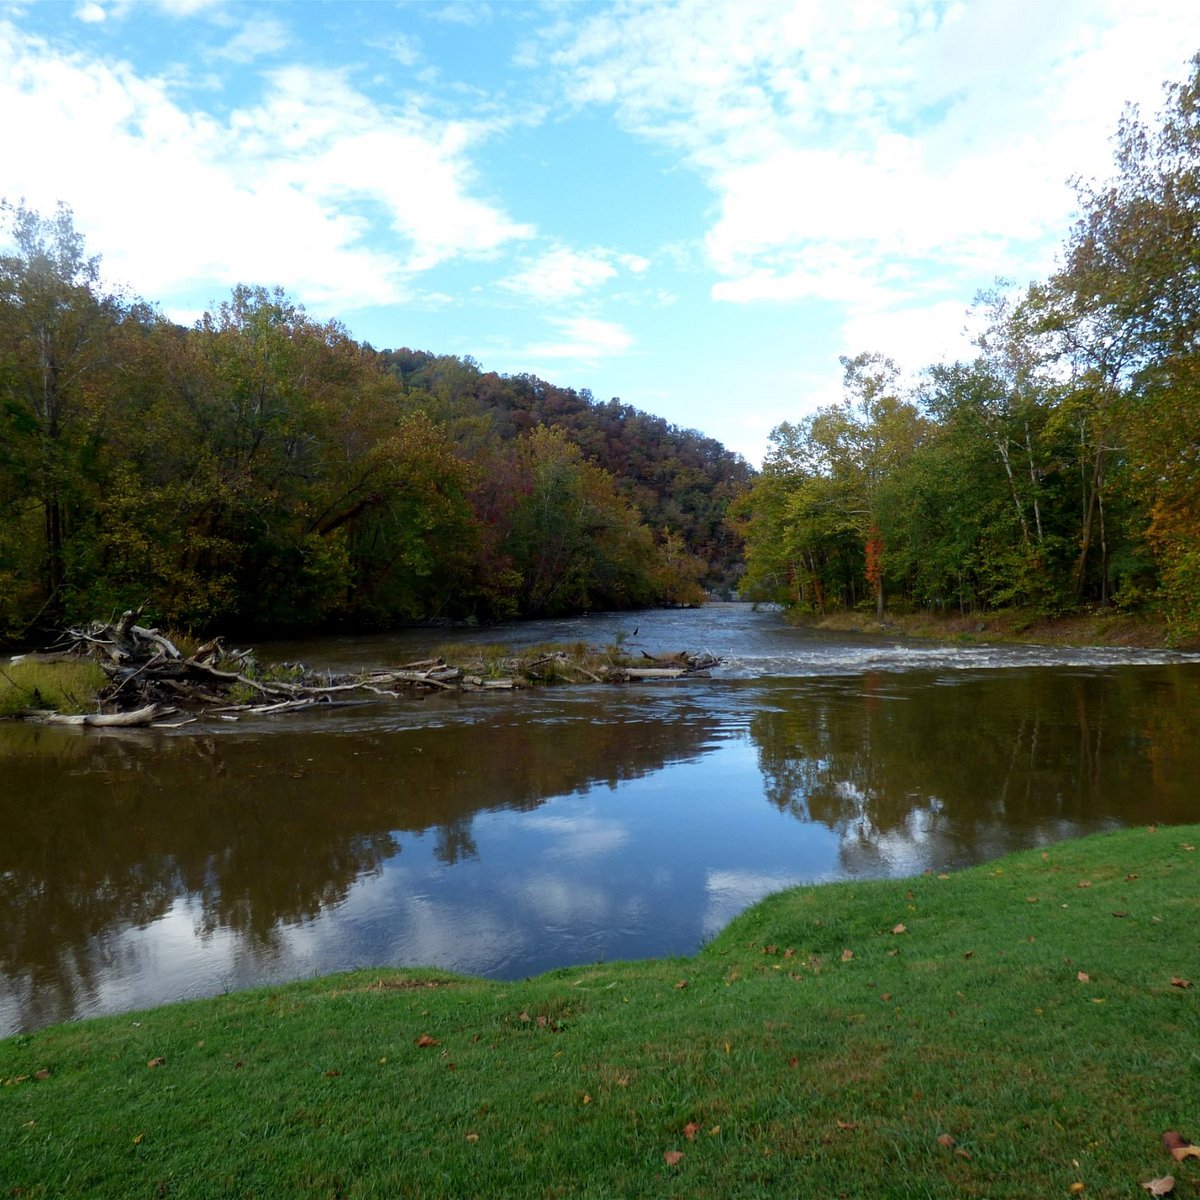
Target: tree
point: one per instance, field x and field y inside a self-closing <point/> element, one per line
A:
<point x="1131" y="285"/>
<point x="55" y="333"/>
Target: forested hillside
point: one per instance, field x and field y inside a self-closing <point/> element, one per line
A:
<point x="265" y="472"/>
<point x="1059" y="468"/>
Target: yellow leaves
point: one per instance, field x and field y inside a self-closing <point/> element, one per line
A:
<point x="1076" y="1189"/>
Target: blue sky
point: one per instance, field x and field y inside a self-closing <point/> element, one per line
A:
<point x="694" y="206"/>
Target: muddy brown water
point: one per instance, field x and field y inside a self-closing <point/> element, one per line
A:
<point x="505" y="834"/>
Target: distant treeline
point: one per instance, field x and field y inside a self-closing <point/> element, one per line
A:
<point x="265" y="472"/>
<point x="1058" y="469"/>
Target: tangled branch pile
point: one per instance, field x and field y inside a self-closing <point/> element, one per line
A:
<point x="150" y="678"/>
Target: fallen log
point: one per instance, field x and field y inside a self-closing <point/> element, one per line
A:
<point x="138" y="716"/>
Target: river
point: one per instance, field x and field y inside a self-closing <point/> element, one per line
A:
<point x="503" y="834"/>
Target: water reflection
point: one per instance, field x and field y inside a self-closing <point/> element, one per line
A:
<point x="142" y="866"/>
<point x="261" y="835"/>
<point x="922" y="769"/>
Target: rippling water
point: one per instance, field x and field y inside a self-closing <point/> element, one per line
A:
<point x="505" y="834"/>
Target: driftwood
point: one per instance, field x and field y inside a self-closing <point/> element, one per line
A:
<point x="150" y="677"/>
<point x="138" y="716"/>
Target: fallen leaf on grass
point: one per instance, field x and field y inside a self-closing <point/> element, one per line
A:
<point x="969" y="954"/>
<point x="426" y="1040"/>
<point x="44" y="1074"/>
<point x="332" y="1074"/>
<point x="156" y="1062"/>
<point x="1122" y="913"/>
<point x="1084" y="883"/>
<point x="690" y="1130"/>
<point x="1176" y="981"/>
<point x="1163" y="1186"/>
<point x="1084" y="977"/>
<point x="1075" y="1189"/>
<point x="847" y="955"/>
<point x="899" y="929"/>
<point x="1131" y="878"/>
<point x="1179" y="1146"/>
<point x="848" y="1125"/>
<point x="1031" y="899"/>
<point x="962" y="1153"/>
<point x="681" y="985"/>
<point x="886" y="997"/>
<point x="586" y="1098"/>
<point x="673" y="1157"/>
<point x="946" y="1140"/>
<point x="472" y="1137"/>
<point x="1186" y="846"/>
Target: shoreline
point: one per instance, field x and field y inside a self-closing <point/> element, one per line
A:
<point x="1012" y="1029"/>
<point x="1005" y="626"/>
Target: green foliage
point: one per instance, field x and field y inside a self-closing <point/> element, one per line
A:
<point x="1057" y="469"/>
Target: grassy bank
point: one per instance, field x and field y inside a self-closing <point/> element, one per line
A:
<point x="30" y="686"/>
<point x="1006" y="625"/>
<point x="1032" y="1014"/>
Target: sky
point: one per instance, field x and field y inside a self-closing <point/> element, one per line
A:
<point x="695" y="206"/>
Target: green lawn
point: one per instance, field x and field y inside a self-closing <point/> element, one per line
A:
<point x="1031" y="1013"/>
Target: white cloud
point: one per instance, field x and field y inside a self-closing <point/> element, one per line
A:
<point x="462" y="13"/>
<point x="562" y="273"/>
<point x="285" y="190"/>
<point x="258" y="38"/>
<point x="871" y="153"/>
<point x="584" y="339"/>
<point x="90" y="14"/>
<point x="398" y="46"/>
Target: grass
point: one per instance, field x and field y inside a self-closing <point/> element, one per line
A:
<point x="1032" y="1010"/>
<point x="66" y="687"/>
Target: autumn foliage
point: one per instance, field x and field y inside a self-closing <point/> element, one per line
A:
<point x="264" y="471"/>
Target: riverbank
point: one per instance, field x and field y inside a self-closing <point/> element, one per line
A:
<point x="1007" y="625"/>
<point x="1014" y="1029"/>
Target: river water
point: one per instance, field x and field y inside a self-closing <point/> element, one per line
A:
<point x="504" y="834"/>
